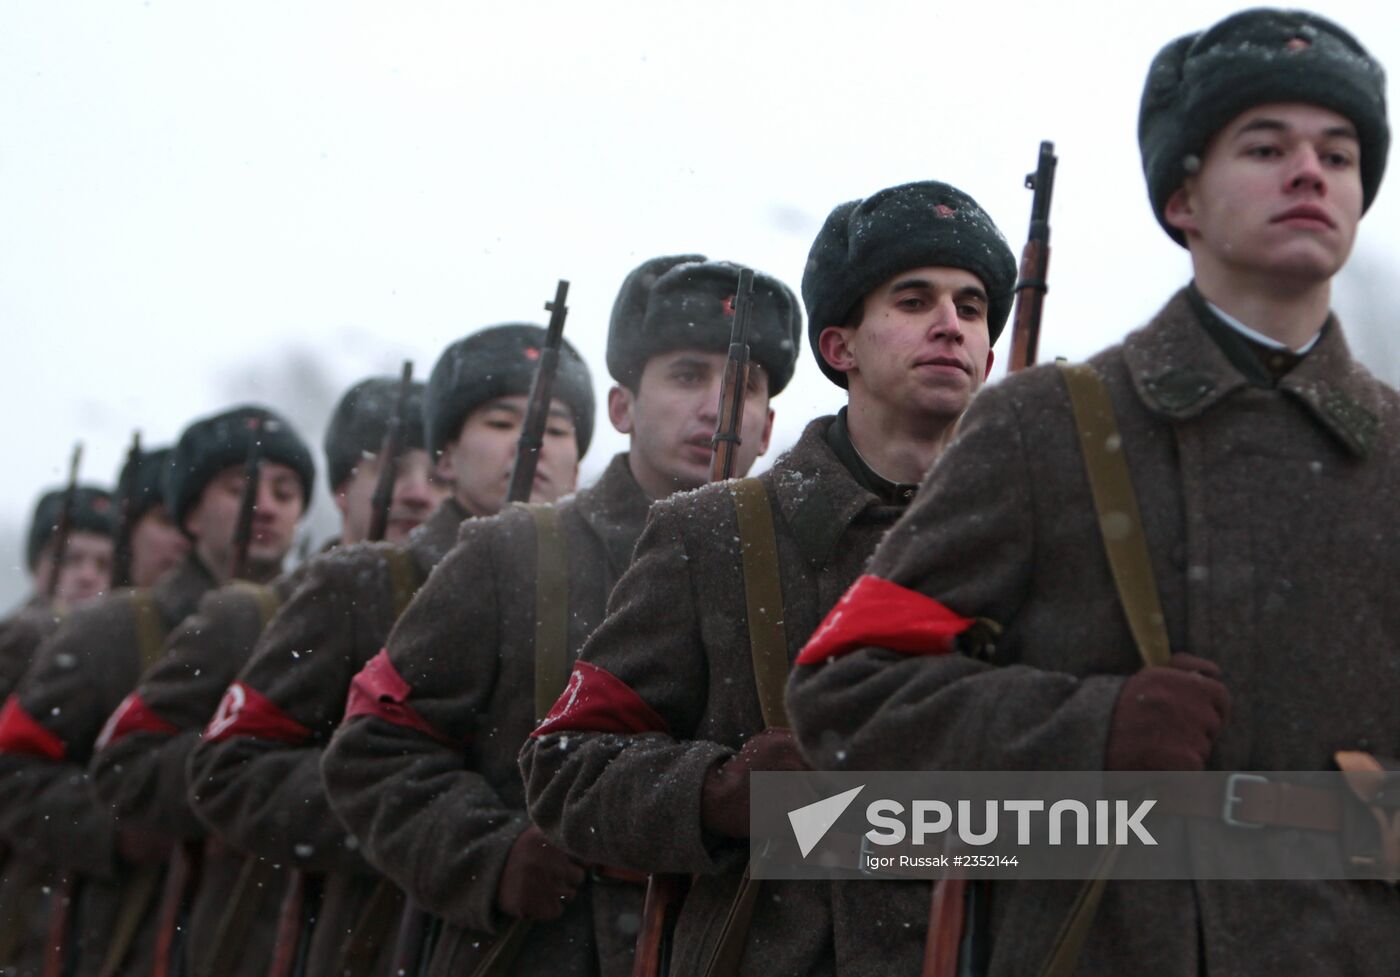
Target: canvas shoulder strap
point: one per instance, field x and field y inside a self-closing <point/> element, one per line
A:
<point x="150" y="628"/>
<point x="763" y="597"/>
<point x="551" y="608"/>
<point x="1120" y="526"/>
<point x="404" y="578"/>
<point x="263" y="598"/>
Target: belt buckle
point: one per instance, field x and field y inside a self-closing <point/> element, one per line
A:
<point x="1227" y="808"/>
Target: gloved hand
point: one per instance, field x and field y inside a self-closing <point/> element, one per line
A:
<point x="1168" y="716"/>
<point x="539" y="878"/>
<point x="724" y="800"/>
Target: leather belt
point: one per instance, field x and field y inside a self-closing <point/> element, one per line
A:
<point x="608" y="873"/>
<point x="1249" y="800"/>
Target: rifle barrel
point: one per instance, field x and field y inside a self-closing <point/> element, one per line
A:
<point x="64" y="528"/>
<point x="527" y="453"/>
<point x="729" y="429"/>
<point x="389" y="451"/>
<point x="243" y="530"/>
<point x="1033" y="280"/>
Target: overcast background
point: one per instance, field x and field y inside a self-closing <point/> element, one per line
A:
<point x="202" y="204"/>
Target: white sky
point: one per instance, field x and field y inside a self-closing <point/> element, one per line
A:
<point x="186" y="188"/>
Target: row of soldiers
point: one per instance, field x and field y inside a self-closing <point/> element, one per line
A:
<point x="519" y="739"/>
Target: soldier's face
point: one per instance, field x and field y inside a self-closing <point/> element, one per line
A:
<point x="479" y="461"/>
<point x="922" y="347"/>
<point x="87" y="568"/>
<point x="1277" y="198"/>
<point x="672" y="415"/>
<point x="157" y="546"/>
<point x="277" y="509"/>
<point x="417" y="492"/>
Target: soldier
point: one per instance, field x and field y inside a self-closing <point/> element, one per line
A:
<point x="423" y="769"/>
<point x="1260" y="453"/>
<point x="86" y="574"/>
<point x="81" y="673"/>
<point x="87" y="557"/>
<point x="255" y="778"/>
<point x="644" y="762"/>
<point x="140" y="765"/>
<point x="157" y="545"/>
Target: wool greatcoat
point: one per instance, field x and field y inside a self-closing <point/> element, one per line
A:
<point x="430" y="783"/>
<point x="675" y="658"/>
<point x="24" y="884"/>
<point x="1269" y="517"/>
<point x="139" y="769"/>
<point x="255" y="776"/>
<point x="51" y="812"/>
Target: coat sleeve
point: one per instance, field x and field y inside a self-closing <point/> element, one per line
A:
<point x="46" y="736"/>
<point x="968" y="543"/>
<point x="255" y="775"/>
<point x="617" y="757"/>
<point x="139" y="768"/>
<point x="400" y="773"/>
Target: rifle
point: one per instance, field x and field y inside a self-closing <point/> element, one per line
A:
<point x="243" y="530"/>
<point x="121" y="557"/>
<point x="527" y="455"/>
<point x="957" y="915"/>
<point x="64" y="529"/>
<point x="727" y="439"/>
<point x="1033" y="280"/>
<point x="665" y="892"/>
<point x="389" y="453"/>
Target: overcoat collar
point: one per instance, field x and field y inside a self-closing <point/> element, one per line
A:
<point x="1179" y="372"/>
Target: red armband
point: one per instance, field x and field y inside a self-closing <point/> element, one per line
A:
<point x="132" y="716"/>
<point x="379" y="690"/>
<point x="21" y="733"/>
<point x="596" y="701"/>
<point x="244" y="711"/>
<point x="877" y="612"/>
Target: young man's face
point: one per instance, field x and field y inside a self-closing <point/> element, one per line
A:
<point x="672" y="415"/>
<point x="87" y="567"/>
<point x="1278" y="196"/>
<point x="478" y="462"/>
<point x="157" y="546"/>
<point x="275" y="514"/>
<point x="922" y="345"/>
<point x="417" y="492"/>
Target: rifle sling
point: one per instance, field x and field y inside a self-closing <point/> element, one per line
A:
<point x="137" y="896"/>
<point x="763" y="597"/>
<point x="150" y="628"/>
<point x="1120" y="524"/>
<point x="373" y="929"/>
<point x="552" y="663"/>
<point x="254" y="884"/>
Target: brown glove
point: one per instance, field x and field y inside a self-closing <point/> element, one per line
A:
<point x="1168" y="716"/>
<point x="724" y="800"/>
<point x="538" y="878"/>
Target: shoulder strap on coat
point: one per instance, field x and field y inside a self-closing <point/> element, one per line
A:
<point x="404" y="578"/>
<point x="551" y="608"/>
<point x="150" y="629"/>
<point x="264" y="598"/>
<point x="763" y="596"/>
<point x="1120" y="525"/>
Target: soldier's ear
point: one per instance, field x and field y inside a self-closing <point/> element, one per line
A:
<point x="620" y="409"/>
<point x="1180" y="210"/>
<point x="835" y="343"/>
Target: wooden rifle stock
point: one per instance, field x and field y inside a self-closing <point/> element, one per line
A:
<point x="952" y="899"/>
<point x="1033" y="281"/>
<point x="729" y="430"/>
<point x="389" y="452"/>
<point x="243" y="530"/>
<point x="121" y="556"/>
<point x="527" y="455"/>
<point x="65" y="522"/>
